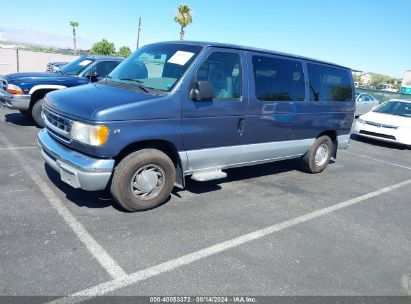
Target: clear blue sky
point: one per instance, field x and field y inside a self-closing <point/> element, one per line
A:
<point x="367" y="35"/>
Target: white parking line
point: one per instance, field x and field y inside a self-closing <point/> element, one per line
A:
<point x="406" y="284"/>
<point x="170" y="265"/>
<point x="378" y="160"/>
<point x="105" y="260"/>
<point x="18" y="148"/>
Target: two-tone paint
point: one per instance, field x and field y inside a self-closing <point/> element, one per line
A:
<point x="198" y="136"/>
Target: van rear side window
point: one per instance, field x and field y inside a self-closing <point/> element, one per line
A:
<point x="329" y="83"/>
<point x="278" y="79"/>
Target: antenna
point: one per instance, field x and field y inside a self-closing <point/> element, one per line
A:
<point x="138" y="32"/>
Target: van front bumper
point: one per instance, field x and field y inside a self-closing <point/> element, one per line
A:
<point x="76" y="169"/>
<point x="17" y="102"/>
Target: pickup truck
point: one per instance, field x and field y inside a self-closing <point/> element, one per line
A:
<point x="25" y="91"/>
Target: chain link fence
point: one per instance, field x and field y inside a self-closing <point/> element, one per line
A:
<point x="14" y="60"/>
<point x="383" y="95"/>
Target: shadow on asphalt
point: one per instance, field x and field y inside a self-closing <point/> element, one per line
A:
<point x="378" y="143"/>
<point x="243" y="173"/>
<point x="103" y="199"/>
<point x="19" y="119"/>
<point x="82" y="198"/>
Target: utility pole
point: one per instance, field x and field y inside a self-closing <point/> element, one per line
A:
<point x="138" y="32"/>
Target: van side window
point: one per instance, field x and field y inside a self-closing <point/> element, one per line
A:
<point x="223" y="71"/>
<point x="329" y="83"/>
<point x="278" y="79"/>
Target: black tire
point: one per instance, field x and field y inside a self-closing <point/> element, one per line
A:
<point x="26" y="113"/>
<point x="309" y="163"/>
<point x="127" y="171"/>
<point x="36" y="113"/>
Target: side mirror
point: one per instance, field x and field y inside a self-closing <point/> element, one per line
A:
<point x="92" y="74"/>
<point x="203" y="90"/>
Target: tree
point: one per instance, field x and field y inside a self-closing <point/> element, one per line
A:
<point x="74" y="24"/>
<point x="103" y="47"/>
<point x="124" y="51"/>
<point x="184" y="18"/>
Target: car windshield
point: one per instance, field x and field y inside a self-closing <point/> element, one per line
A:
<point x="76" y="66"/>
<point x="399" y="108"/>
<point x="156" y="66"/>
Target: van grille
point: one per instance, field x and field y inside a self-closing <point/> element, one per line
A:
<point x="57" y="125"/>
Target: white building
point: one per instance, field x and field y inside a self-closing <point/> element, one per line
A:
<point x="365" y="78"/>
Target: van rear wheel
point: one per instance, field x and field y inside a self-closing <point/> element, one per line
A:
<point x="318" y="157"/>
<point x="143" y="180"/>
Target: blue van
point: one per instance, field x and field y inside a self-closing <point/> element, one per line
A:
<point x="178" y="109"/>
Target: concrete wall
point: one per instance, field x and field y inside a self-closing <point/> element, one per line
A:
<point x="28" y="61"/>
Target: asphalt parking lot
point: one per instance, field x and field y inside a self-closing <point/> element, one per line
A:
<point x="265" y="230"/>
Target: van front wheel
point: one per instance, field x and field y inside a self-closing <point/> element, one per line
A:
<point x="143" y="180"/>
<point x="318" y="157"/>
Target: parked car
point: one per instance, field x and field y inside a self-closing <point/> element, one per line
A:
<point x="364" y="103"/>
<point x="179" y="109"/>
<point x="390" y="122"/>
<point x="386" y="87"/>
<point x="55" y="66"/>
<point x="25" y="91"/>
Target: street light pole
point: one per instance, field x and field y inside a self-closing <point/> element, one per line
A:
<point x="138" y="32"/>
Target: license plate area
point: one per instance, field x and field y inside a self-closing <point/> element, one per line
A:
<point x="69" y="178"/>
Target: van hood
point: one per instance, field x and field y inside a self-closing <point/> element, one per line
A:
<point x="96" y="102"/>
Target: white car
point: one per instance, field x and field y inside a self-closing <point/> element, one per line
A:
<point x="364" y="103"/>
<point x="390" y="122"/>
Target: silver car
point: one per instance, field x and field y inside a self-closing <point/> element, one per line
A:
<point x="365" y="103"/>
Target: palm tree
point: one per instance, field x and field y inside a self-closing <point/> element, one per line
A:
<point x="184" y="18"/>
<point x="74" y="24"/>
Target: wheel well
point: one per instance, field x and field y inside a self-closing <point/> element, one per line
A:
<point x="165" y="146"/>
<point x="330" y="133"/>
<point x="162" y="145"/>
<point x="39" y="94"/>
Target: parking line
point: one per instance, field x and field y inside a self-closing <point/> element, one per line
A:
<point x="406" y="284"/>
<point x="110" y="286"/>
<point x="18" y="148"/>
<point x="98" y="252"/>
<point x="379" y="160"/>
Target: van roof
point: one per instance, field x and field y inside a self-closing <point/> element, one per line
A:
<point x="251" y="49"/>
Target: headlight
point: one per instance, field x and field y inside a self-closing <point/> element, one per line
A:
<point x="89" y="134"/>
<point x="362" y="121"/>
<point x="13" y="89"/>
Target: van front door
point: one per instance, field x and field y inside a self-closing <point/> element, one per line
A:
<point x="213" y="129"/>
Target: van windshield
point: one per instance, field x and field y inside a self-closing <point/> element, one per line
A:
<point x="156" y="66"/>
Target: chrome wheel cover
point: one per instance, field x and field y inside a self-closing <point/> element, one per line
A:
<point x="147" y="182"/>
<point x="321" y="155"/>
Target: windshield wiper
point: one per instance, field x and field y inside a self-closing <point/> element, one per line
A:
<point x="137" y="85"/>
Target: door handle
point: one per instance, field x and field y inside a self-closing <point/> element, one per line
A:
<point x="240" y="126"/>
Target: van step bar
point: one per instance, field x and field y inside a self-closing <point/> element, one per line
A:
<point x="203" y="176"/>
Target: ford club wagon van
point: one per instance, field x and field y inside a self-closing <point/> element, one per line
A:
<point x="178" y="109"/>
